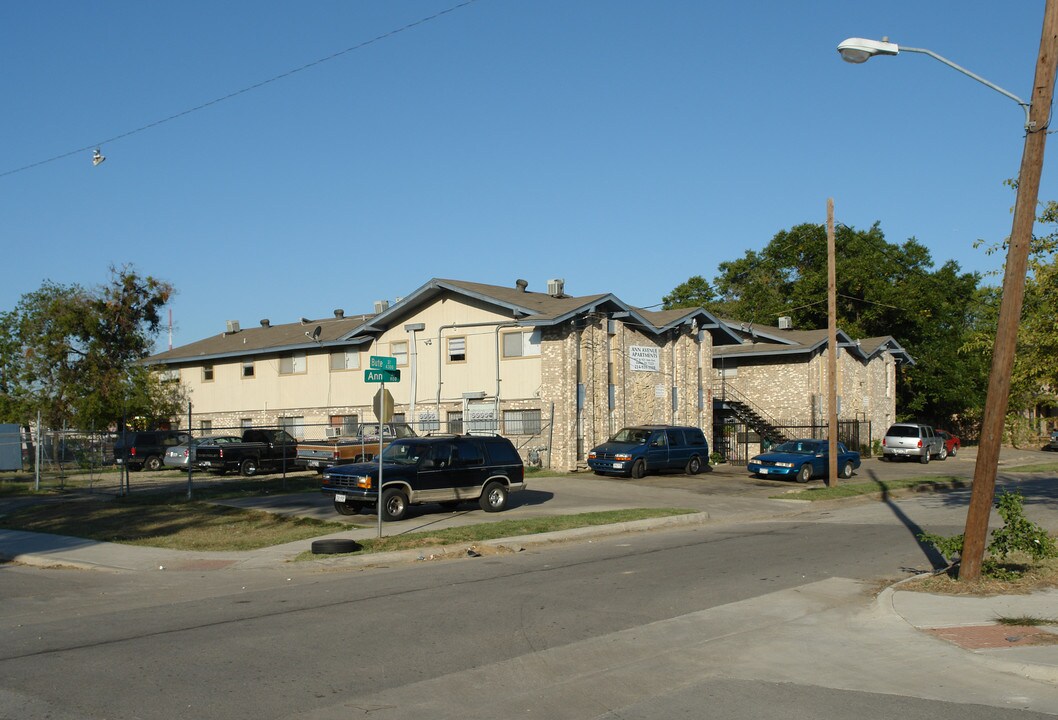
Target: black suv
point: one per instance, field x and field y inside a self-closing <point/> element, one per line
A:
<point x="445" y="469"/>
<point x="146" y="449"/>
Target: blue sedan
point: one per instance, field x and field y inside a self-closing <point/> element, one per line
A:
<point x="804" y="459"/>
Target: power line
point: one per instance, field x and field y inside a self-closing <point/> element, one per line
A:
<point x="255" y="86"/>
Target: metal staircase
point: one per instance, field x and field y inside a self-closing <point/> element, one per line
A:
<point x="744" y="409"/>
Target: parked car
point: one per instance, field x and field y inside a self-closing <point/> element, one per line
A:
<point x="1053" y="444"/>
<point x="256" y="450"/>
<point x="951" y="443"/>
<point x="362" y="446"/>
<point x="178" y="455"/>
<point x="446" y="469"/>
<point x="146" y="449"/>
<point x="635" y="451"/>
<point x="912" y="440"/>
<point x="803" y="459"/>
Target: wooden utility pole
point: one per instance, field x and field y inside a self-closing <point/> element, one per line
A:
<point x="832" y="351"/>
<point x="984" y="482"/>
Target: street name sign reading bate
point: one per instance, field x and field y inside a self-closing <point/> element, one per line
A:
<point x="382" y="362"/>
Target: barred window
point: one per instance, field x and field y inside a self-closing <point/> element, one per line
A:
<point x="521" y="422"/>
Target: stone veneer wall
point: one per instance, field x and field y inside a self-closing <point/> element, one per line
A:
<point x="639" y="397"/>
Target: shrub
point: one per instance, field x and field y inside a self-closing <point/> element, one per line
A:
<point x="1018" y="535"/>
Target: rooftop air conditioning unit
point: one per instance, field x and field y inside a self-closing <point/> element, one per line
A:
<point x="332" y="432"/>
<point x="786" y="323"/>
<point x="556" y="287"/>
<point x="381" y="306"/>
<point x="232" y="327"/>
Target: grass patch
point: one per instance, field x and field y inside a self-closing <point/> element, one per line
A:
<point x="471" y="534"/>
<point x="1026" y="621"/>
<point x="173" y="525"/>
<point x="1049" y="468"/>
<point x="873" y="487"/>
<point x="1034" y="576"/>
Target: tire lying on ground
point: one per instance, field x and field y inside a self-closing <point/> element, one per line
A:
<point x="333" y="546"/>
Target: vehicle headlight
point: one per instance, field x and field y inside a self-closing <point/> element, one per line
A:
<point x="622" y="456"/>
<point x="591" y="455"/>
<point x="363" y="481"/>
<point x="784" y="464"/>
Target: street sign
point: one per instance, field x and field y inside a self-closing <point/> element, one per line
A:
<point x="383" y="407"/>
<point x="381" y="362"/>
<point x="381" y="376"/>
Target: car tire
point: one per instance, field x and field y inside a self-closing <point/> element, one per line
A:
<point x="349" y="507"/>
<point x="954" y="451"/>
<point x="925" y="458"/>
<point x="333" y="546"/>
<point x="153" y="463"/>
<point x="394" y="505"/>
<point x="639" y="469"/>
<point x="493" y="497"/>
<point x="694" y="465"/>
<point x="846" y="470"/>
<point x="804" y="473"/>
<point x="248" y="468"/>
<point x="943" y="455"/>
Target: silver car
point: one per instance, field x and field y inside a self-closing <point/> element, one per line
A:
<point x="177" y="456"/>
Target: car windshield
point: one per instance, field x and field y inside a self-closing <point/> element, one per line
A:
<point x="799" y="447"/>
<point x="635" y="436"/>
<point x="405" y="453"/>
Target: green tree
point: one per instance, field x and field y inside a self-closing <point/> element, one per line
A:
<point x="71" y="354"/>
<point x="883" y="289"/>
<point x="695" y="292"/>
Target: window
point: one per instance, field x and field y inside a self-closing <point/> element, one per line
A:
<point x="207" y="373"/>
<point x="457" y="349"/>
<point x="521" y="422"/>
<point x="293" y="425"/>
<point x="455" y="422"/>
<point x="247" y="368"/>
<point x="348" y="423"/>
<point x="727" y="372"/>
<point x="169" y="374"/>
<point x="293" y="364"/>
<point x="205" y="426"/>
<point x="521" y="344"/>
<point x="399" y="350"/>
<point x="345" y="360"/>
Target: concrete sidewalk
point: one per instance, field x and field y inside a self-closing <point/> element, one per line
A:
<point x="969" y="623"/>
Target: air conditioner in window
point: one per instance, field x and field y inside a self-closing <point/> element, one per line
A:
<point x="332" y="432"/>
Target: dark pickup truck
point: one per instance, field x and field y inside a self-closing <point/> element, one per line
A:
<point x="259" y="450"/>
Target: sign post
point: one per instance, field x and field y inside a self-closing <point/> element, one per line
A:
<point x="382" y="369"/>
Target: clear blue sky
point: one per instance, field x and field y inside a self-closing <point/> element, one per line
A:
<point x="623" y="146"/>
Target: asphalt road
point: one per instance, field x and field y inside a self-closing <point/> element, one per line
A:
<point x="733" y="621"/>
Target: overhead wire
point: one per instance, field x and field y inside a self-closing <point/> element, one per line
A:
<point x="255" y="86"/>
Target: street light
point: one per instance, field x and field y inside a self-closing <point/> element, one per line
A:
<point x="860" y="50"/>
<point x="1037" y="117"/>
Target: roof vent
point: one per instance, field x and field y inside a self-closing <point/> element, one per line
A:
<point x="339" y="313"/>
<point x="231" y="327"/>
<point x="381" y="306"/>
<point x="521" y="284"/>
<point x="786" y="323"/>
<point x="266" y="323"/>
<point x="556" y="287"/>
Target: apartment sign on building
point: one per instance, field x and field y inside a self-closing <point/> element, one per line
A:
<point x="644" y="359"/>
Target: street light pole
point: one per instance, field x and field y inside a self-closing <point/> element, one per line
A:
<point x="996" y="401"/>
<point x="832" y="352"/>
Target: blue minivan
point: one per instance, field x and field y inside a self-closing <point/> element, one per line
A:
<point x="635" y="451"/>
